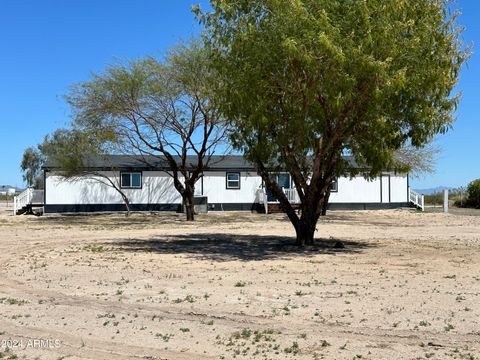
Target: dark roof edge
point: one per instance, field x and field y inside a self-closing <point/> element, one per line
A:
<point x="154" y="163"/>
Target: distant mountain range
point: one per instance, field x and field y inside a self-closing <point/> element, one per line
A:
<point x="432" y="191"/>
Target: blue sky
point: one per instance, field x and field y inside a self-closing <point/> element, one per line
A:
<point x="47" y="45"/>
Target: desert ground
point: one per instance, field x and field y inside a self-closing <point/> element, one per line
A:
<point x="232" y="285"/>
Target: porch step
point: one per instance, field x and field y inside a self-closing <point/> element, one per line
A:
<point x="30" y="209"/>
<point x="24" y="210"/>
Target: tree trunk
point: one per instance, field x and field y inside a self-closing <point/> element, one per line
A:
<point x="325" y="203"/>
<point x="305" y="228"/>
<point x="189" y="203"/>
<point x="127" y="205"/>
<point x="307" y="224"/>
<point x="314" y="202"/>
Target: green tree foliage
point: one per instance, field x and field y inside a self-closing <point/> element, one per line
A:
<point x="70" y="150"/>
<point x="31" y="166"/>
<point x="473" y="191"/>
<point x="307" y="81"/>
<point x="158" y="108"/>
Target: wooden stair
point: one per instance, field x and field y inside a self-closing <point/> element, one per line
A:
<point x="25" y="202"/>
<point x="24" y="210"/>
<point x="274" y="208"/>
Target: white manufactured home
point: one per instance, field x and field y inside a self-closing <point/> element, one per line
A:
<point x="229" y="183"/>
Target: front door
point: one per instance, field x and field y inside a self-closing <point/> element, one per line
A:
<point x="283" y="180"/>
<point x="385" y="188"/>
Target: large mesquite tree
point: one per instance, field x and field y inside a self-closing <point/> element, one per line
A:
<point x="158" y="108"/>
<point x="305" y="82"/>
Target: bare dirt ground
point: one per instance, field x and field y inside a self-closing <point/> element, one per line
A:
<point x="406" y="286"/>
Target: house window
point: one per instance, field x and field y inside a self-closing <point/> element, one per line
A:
<point x="233" y="180"/>
<point x="282" y="180"/>
<point x="131" y="180"/>
<point x="334" y="185"/>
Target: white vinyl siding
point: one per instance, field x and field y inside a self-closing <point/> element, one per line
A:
<point x="157" y="188"/>
<point x="214" y="188"/>
<point x="356" y="190"/>
<point x="399" y="188"/>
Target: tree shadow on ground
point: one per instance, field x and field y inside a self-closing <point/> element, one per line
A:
<point x="153" y="218"/>
<point x="114" y="219"/>
<point x="227" y="247"/>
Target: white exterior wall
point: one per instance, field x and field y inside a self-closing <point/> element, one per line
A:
<point x="399" y="188"/>
<point x="361" y="190"/>
<point x="356" y="190"/>
<point x="214" y="187"/>
<point x="157" y="188"/>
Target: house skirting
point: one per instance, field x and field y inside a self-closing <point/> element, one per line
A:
<point x="86" y="208"/>
<point x="78" y="208"/>
<point x="367" y="206"/>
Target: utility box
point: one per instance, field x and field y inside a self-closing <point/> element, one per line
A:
<point x="201" y="204"/>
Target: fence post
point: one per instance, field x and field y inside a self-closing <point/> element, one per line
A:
<point x="445" y="201"/>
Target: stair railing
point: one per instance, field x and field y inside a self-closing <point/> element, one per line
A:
<point x="416" y="199"/>
<point x="292" y="195"/>
<point x="23" y="199"/>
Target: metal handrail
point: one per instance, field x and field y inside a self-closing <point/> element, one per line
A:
<point x="22" y="199"/>
<point x="416" y="199"/>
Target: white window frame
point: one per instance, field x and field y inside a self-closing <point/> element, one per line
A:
<point x="227" y="186"/>
<point x="131" y="173"/>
